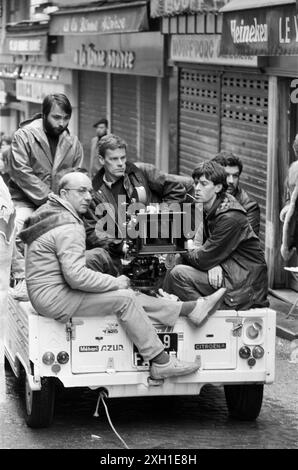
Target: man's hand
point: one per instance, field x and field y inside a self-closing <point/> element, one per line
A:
<point x="215" y="277"/>
<point x="283" y="212"/>
<point x="123" y="282"/>
<point x="125" y="248"/>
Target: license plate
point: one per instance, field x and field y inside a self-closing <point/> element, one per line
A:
<point x="170" y="342"/>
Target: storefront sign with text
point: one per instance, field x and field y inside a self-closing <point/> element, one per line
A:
<point x="35" y="91"/>
<point x="34" y="45"/>
<point x="122" y="20"/>
<point x="204" y="48"/>
<point x="177" y="7"/>
<point x="136" y="53"/>
<point x="263" y="31"/>
<point x="89" y="56"/>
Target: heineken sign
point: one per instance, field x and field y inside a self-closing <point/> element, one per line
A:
<point x="262" y="31"/>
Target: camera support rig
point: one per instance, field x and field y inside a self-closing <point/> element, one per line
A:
<point x="152" y="234"/>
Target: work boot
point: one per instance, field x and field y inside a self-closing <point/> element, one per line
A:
<point x="206" y="306"/>
<point x="19" y="291"/>
<point x="173" y="368"/>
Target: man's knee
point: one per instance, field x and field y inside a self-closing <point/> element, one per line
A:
<point x="98" y="259"/>
<point x="180" y="273"/>
<point x="126" y="300"/>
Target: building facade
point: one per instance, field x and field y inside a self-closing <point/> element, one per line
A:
<point x="222" y="102"/>
<point x="269" y="29"/>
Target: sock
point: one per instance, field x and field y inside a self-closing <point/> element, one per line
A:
<point x="161" y="358"/>
<point x="187" y="307"/>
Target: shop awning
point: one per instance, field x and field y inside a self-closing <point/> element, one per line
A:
<point x="128" y="17"/>
<point x="260" y="27"/>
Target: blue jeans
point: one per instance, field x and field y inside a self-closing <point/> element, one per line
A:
<point x="135" y="312"/>
<point x="187" y="283"/>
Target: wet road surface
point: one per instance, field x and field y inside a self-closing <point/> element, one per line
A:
<point x="159" y="423"/>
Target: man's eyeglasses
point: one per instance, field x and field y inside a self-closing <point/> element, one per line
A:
<point x="82" y="191"/>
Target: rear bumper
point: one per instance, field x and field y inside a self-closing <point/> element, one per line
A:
<point x="128" y="384"/>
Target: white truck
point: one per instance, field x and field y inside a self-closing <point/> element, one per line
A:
<point x="235" y="349"/>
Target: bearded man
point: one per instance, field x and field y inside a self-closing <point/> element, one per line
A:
<point x="42" y="151"/>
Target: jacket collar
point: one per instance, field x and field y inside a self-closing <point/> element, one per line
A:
<point x="224" y="203"/>
<point x="55" y="213"/>
<point x="35" y="126"/>
<point x="98" y="180"/>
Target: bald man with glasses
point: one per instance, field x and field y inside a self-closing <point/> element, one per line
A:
<point x="61" y="286"/>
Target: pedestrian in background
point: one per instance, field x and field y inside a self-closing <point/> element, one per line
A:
<point x="290" y="219"/>
<point x="4" y="152"/>
<point x="287" y="190"/>
<point x="42" y="151"/>
<point x="101" y="128"/>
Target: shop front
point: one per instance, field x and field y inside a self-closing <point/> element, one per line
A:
<point x="121" y="75"/>
<point x="222" y="102"/>
<point x="11" y="111"/>
<point x="37" y="81"/>
<point x="269" y="29"/>
<point x="26" y="49"/>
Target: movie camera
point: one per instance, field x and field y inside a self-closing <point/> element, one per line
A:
<point x="154" y="236"/>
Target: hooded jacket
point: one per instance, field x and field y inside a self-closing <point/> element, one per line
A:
<point x="56" y="273"/>
<point x="230" y="242"/>
<point x="33" y="171"/>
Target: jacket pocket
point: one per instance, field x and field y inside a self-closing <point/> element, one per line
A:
<point x="240" y="298"/>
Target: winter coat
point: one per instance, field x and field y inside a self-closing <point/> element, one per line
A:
<point x="33" y="172"/>
<point x="252" y="209"/>
<point x="95" y="164"/>
<point x="141" y="181"/>
<point x="290" y="218"/>
<point x="230" y="242"/>
<point x="56" y="273"/>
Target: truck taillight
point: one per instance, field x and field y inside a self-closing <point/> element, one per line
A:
<point x="258" y="352"/>
<point x="62" y="357"/>
<point x="48" y="358"/>
<point x="244" y="352"/>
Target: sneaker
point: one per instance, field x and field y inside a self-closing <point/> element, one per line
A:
<point x="173" y="368"/>
<point x="206" y="306"/>
<point x="19" y="292"/>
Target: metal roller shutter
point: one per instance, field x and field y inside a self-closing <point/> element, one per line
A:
<point x="148" y="119"/>
<point x="124" y="111"/>
<point x="244" y="125"/>
<point x="199" y="93"/>
<point x="225" y="111"/>
<point x="92" y="106"/>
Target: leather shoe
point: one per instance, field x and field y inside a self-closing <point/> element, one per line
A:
<point x="206" y="306"/>
<point x="173" y="368"/>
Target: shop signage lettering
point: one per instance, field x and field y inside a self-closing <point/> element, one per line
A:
<point x="91" y="25"/>
<point x="24" y="45"/>
<point x="248" y="33"/>
<point x="272" y="31"/>
<point x="193" y="48"/>
<point x="203" y="48"/>
<point x="172" y="7"/>
<point x="35" y="91"/>
<point x="126" y="19"/>
<point x="89" y="56"/>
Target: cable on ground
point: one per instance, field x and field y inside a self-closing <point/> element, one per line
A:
<point x="101" y="397"/>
